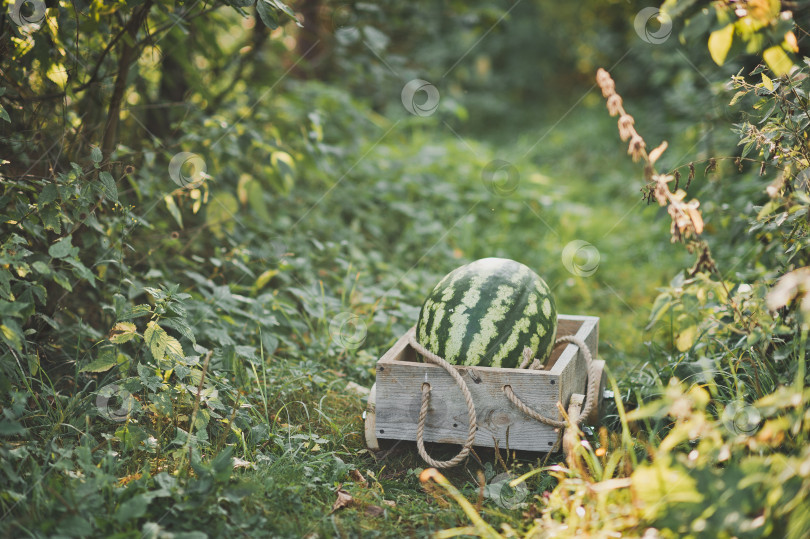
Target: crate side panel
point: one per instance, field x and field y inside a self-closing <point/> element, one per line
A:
<point x="574" y="373"/>
<point x="399" y="399"/>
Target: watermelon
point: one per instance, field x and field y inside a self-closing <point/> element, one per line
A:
<point x="485" y="313"/>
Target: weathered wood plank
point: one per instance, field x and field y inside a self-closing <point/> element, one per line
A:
<point x="399" y="399"/>
<point x="572" y="367"/>
<point x="400" y="377"/>
<point x="370" y="420"/>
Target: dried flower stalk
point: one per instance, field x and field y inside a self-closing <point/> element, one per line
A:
<point x="687" y="222"/>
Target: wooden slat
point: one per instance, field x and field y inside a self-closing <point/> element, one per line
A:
<point x="572" y="367"/>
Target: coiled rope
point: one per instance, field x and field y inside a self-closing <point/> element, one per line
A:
<point x="593" y="388"/>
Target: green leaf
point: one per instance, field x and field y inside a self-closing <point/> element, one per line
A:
<point x="284" y="7"/>
<point x="132" y="509"/>
<point x="219" y="213"/>
<point x="81" y="271"/>
<point x="222" y="464"/>
<point x="11" y="428"/>
<point x="95" y="154"/>
<point x="105" y="361"/>
<point x="148" y="378"/>
<point x="156" y="293"/>
<point x="50" y="218"/>
<point x="60" y="279"/>
<point x="48" y="194"/>
<point x="61" y="248"/>
<point x="41" y="268"/>
<point x="5" y="285"/>
<point x="779" y="62"/>
<point x="108" y="187"/>
<point x="267" y="14"/>
<point x="256" y="200"/>
<point x="181" y="326"/>
<point x="720" y="43"/>
<point x="4" y="114"/>
<point x="13" y="308"/>
<point x="137" y="311"/>
<point x="156" y="339"/>
<point x="770" y="207"/>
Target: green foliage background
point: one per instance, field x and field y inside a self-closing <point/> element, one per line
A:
<point x="216" y="215"/>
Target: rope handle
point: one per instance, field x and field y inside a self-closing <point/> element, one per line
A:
<point x="592" y="386"/>
<point x="420" y="428"/>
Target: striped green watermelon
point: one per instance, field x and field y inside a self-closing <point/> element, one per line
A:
<point x="486" y="312"/>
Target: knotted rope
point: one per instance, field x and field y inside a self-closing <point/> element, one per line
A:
<point x="591" y="394"/>
<point x="593" y="388"/>
<point x="420" y="428"/>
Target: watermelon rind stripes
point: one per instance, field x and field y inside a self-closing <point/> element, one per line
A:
<point x="486" y="312"/>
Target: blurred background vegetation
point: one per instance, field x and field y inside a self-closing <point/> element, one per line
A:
<point x="215" y="215"/>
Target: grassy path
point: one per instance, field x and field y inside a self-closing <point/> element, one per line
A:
<point x="577" y="186"/>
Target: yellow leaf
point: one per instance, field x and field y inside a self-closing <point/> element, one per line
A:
<point x="173" y="209"/>
<point x="659" y="485"/>
<point x="264" y="278"/>
<point x="767" y="82"/>
<point x="173" y="348"/>
<point x="123" y="332"/>
<point x="58" y="74"/>
<point x="241" y="189"/>
<point x="284" y="166"/>
<point x="157" y="339"/>
<point x="196" y="196"/>
<point x="720" y="43"/>
<point x="686" y="338"/>
<point x="11" y="336"/>
<point x="779" y="62"/>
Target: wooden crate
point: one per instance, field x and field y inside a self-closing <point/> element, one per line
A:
<point x="396" y="398"/>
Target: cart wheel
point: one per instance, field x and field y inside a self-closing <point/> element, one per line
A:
<point x="595" y="417"/>
<point x="569" y="441"/>
<point x="370" y="416"/>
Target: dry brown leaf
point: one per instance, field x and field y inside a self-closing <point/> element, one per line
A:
<point x="390" y="503"/>
<point x="791" y="285"/>
<point x="242" y="463"/>
<point x="694" y="215"/>
<point x="656" y="153"/>
<point x="344" y="499"/>
<point x="374" y="510"/>
<point x="357" y="477"/>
